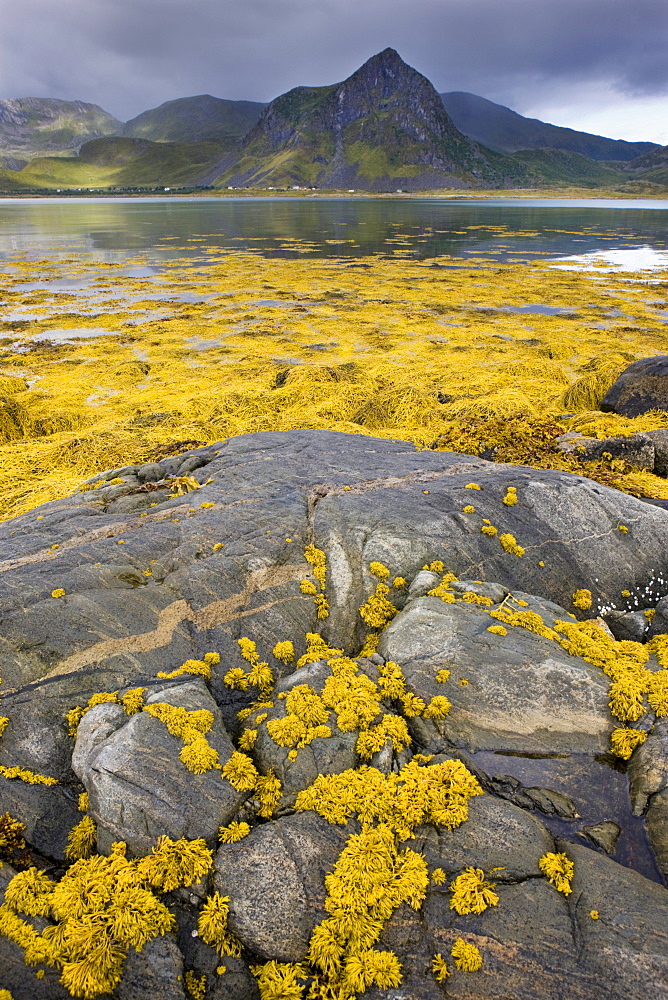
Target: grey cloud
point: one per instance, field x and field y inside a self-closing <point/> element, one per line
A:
<point x="128" y="55"/>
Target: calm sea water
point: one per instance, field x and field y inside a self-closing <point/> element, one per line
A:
<point x="160" y="229"/>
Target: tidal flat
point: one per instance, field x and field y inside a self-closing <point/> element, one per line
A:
<point x="103" y="360"/>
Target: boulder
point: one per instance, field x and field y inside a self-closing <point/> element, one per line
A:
<point x="648" y="777"/>
<point x="659" y="439"/>
<point x="324" y="755"/>
<point x="627" y="946"/>
<point x="514" y="692"/>
<point x="497" y="835"/>
<point x="155" y="971"/>
<point x="630" y="626"/>
<point x="530" y="721"/>
<point x="659" y="622"/>
<point x="636" y="450"/>
<point x="604" y="835"/>
<point x="641" y="387"/>
<point x="275" y="880"/>
<point x="138" y="787"/>
<point x="540" y="945"/>
<point x="360" y="499"/>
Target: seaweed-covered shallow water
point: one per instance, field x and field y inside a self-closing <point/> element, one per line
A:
<point x="109" y="229"/>
<point x="128" y="325"/>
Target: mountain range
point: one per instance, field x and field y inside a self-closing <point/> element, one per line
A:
<point x="383" y="128"/>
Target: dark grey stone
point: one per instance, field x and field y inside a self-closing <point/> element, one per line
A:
<point x="660" y="442"/>
<point x="641" y="387"/>
<point x="152" y="472"/>
<point x="604" y="835"/>
<point x="636" y="450"/>
<point x="627" y="625"/>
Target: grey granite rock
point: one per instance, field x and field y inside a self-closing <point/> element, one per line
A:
<point x="138" y="787"/>
<point x="659" y="439"/>
<point x="520" y="691"/>
<point x="604" y="835"/>
<point x="155" y="971"/>
<point x="530" y="720"/>
<point x="275" y="880"/>
<point x="648" y="777"/>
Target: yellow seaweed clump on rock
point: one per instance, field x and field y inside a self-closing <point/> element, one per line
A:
<point x="260" y="674"/>
<point x="559" y="870"/>
<point x="471" y="893"/>
<point x="100" y="908"/>
<point x="374" y="874"/>
<point x="212" y="925"/>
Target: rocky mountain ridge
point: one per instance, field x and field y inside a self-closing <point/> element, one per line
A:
<point x="504" y="130"/>
<point x="37" y="126"/>
<point x="384" y="128"/>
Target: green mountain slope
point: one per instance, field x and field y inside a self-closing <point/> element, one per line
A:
<point x="39" y="126"/>
<point x="561" y="168"/>
<point x="194" y="119"/>
<point x="657" y="159"/>
<point x="121" y="162"/>
<point x="505" y="131"/>
<point x="383" y="128"/>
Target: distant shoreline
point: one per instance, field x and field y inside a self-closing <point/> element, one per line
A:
<point x="455" y="194"/>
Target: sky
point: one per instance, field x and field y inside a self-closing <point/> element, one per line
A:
<point x="596" y="65"/>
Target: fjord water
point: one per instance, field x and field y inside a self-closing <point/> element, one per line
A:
<point x="163" y="228"/>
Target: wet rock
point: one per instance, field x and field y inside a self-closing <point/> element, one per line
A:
<point x="236" y="983"/>
<point x="155" y="971"/>
<point x="604" y="835"/>
<point x="627" y="625"/>
<point x="275" y="880"/>
<point x="659" y="622"/>
<point x="497" y="835"/>
<point x="660" y="441"/>
<point x="628" y="945"/>
<point x="506" y="787"/>
<point x="138" y="787"/>
<point x="641" y="387"/>
<point x="648" y="786"/>
<point x="520" y="691"/>
<point x="552" y="803"/>
<point x="636" y="450"/>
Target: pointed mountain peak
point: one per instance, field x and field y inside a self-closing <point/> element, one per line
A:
<point x="388" y="56"/>
<point x="386" y="63"/>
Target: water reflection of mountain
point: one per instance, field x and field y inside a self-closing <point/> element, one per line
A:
<point x="343" y="228"/>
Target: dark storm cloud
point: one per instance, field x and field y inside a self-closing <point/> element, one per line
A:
<point x="128" y="55"/>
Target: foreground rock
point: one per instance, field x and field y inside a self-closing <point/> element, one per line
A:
<point x="152" y="579"/>
<point x="135" y="780"/>
<point x="520" y="692"/>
